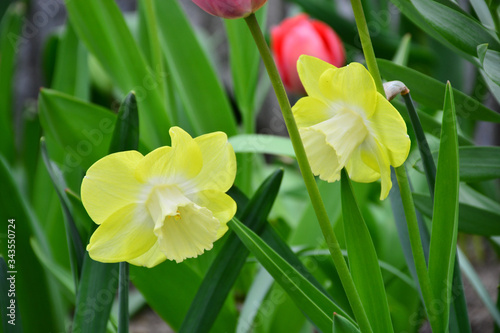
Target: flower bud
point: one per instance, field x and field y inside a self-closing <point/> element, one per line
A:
<point x="230" y="9"/>
<point x="301" y="35"/>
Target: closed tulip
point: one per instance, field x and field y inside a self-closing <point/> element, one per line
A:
<point x="230" y="9"/>
<point x="302" y="35"/>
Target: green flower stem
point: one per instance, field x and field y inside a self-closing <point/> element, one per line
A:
<point x="309" y="180"/>
<point x="123" y="298"/>
<point x="366" y="43"/>
<point x="416" y="245"/>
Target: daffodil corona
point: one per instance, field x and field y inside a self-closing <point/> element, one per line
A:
<point x="169" y="204"/>
<point x="345" y="122"/>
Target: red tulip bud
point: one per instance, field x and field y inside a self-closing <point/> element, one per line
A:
<point x="230" y="9"/>
<point x="301" y="35"/>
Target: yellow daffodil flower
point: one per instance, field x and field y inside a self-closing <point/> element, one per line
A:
<point x="345" y="122"/>
<point x="169" y="204"/>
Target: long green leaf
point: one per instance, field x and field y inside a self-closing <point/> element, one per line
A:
<point x="363" y="261"/>
<point x="199" y="88"/>
<point x="227" y="265"/>
<point x="307" y="297"/>
<point x="71" y="73"/>
<point x="73" y="239"/>
<point x="342" y="325"/>
<point x="471" y="219"/>
<point x="475" y="163"/>
<point x="475" y="280"/>
<point x="83" y="130"/>
<point x="10" y="40"/>
<point x="101" y="26"/>
<point x="430" y="92"/>
<point x="459" y="29"/>
<point x="31" y="281"/>
<point x="262" y="144"/>
<point x="244" y="60"/>
<point x="445" y="214"/>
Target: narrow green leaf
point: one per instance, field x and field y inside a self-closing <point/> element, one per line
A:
<point x="445" y="214"/>
<point x="475" y="281"/>
<point x="227" y="265"/>
<point x="10" y="40"/>
<point x="483" y="13"/>
<point x="317" y="307"/>
<point x="261" y="285"/>
<point x="95" y="296"/>
<point x="73" y="238"/>
<point x="71" y="73"/>
<point x="200" y="90"/>
<point x="101" y="26"/>
<point x="403" y="51"/>
<point x="126" y="131"/>
<point x="31" y="281"/>
<point x="430" y="92"/>
<point x="459" y="29"/>
<point x="489" y="60"/>
<point x="342" y="325"/>
<point x="9" y="310"/>
<point x="363" y="261"/>
<point x="471" y="219"/>
<point x="244" y="59"/>
<point x="83" y="130"/>
<point x="475" y="163"/>
<point x="262" y="144"/>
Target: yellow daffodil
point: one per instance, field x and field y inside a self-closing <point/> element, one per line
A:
<point x="169" y="204"/>
<point x="345" y="122"/>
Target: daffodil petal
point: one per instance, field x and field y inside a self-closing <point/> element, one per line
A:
<point x="310" y="69"/>
<point x="220" y="204"/>
<point x="390" y="130"/>
<point x="219" y="164"/>
<point x="110" y="184"/>
<point x="309" y="111"/>
<point x="173" y="164"/>
<point x="153" y="257"/>
<point x="379" y="153"/>
<point x="352" y="86"/>
<point x="321" y="155"/>
<point x="357" y="168"/>
<point x="125" y="235"/>
<point x="190" y="234"/>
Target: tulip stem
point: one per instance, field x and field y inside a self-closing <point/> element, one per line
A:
<point x="366" y="44"/>
<point x="309" y="180"/>
<point x="415" y="242"/>
<point x="123" y="298"/>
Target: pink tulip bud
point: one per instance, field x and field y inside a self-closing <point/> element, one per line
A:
<point x="301" y="35"/>
<point x="230" y="9"/>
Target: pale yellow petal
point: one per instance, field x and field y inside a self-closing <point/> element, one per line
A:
<point x="390" y="130"/>
<point x="321" y="155"/>
<point x="125" y="235"/>
<point x="219" y="164"/>
<point x="357" y="168"/>
<point x="110" y="184"/>
<point x="189" y="234"/>
<point x="375" y="156"/>
<point x="310" y="69"/>
<point x="310" y="111"/>
<point x="352" y="86"/>
<point x="151" y="258"/>
<point x="173" y="165"/>
<point x="220" y="204"/>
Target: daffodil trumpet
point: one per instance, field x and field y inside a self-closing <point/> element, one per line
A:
<point x="170" y="204"/>
<point x="345" y="123"/>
